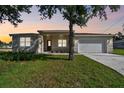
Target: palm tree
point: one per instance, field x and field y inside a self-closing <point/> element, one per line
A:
<point x="75" y="14"/>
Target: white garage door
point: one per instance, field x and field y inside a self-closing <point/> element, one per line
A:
<point x="89" y="48"/>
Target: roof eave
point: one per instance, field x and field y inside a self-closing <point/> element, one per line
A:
<point x="95" y="35"/>
<point x="23" y="34"/>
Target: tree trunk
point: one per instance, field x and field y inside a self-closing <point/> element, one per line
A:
<point x="71" y="41"/>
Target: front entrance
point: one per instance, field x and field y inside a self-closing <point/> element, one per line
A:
<point x="49" y="44"/>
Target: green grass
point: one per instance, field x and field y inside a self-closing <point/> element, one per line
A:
<point x="118" y="51"/>
<point x="57" y="71"/>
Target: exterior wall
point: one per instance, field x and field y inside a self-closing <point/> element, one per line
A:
<point x="54" y="38"/>
<point x="39" y="42"/>
<point x="95" y="39"/>
<point x="110" y="45"/>
<point x="76" y="41"/>
<point x="16" y="43"/>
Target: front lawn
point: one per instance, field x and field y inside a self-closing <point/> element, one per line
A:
<point x="118" y="51"/>
<point x="57" y="71"/>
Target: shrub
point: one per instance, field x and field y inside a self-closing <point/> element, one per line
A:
<point x="16" y="56"/>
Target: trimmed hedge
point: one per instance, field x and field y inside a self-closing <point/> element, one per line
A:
<point x="19" y="56"/>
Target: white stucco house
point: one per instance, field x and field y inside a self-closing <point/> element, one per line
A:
<point x="56" y="41"/>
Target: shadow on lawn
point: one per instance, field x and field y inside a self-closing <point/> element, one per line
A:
<point x="26" y="56"/>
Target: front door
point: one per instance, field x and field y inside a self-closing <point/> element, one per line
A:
<point x="49" y="44"/>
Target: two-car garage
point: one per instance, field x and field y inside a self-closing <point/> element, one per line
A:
<point x="93" y="43"/>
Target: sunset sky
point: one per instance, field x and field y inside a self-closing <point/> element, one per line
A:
<point x="32" y="23"/>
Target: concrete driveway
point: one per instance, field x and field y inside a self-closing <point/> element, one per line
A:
<point x="113" y="61"/>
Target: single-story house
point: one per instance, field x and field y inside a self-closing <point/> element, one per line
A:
<point x="56" y="41"/>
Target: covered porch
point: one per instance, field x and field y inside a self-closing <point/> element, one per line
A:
<point x="53" y="42"/>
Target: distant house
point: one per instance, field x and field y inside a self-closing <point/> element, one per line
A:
<point x="119" y="44"/>
<point x="56" y="41"/>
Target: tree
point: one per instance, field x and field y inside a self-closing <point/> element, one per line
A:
<point x="1" y="43"/>
<point x="79" y="15"/>
<point x="12" y="13"/>
<point x="118" y="36"/>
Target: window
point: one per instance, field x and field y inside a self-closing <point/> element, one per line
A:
<point x="62" y="43"/>
<point x="22" y="41"/>
<point x="49" y="43"/>
<point x="59" y="43"/>
<point x="25" y="41"/>
<point x="28" y="41"/>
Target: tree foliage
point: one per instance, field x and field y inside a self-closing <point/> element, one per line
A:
<point x="118" y="36"/>
<point x="78" y="14"/>
<point x="12" y="13"/>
